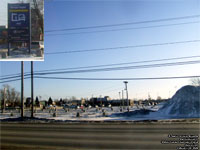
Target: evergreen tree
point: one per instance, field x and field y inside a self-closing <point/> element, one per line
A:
<point x="61" y="102"/>
<point x="50" y="101"/>
<point x="37" y="103"/>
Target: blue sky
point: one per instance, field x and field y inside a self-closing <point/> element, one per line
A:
<point x="68" y="14"/>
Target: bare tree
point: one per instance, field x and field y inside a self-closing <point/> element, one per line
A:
<point x="11" y="95"/>
<point x="159" y="98"/>
<point x="195" y="81"/>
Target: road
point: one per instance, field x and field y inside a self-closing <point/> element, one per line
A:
<point x="21" y="136"/>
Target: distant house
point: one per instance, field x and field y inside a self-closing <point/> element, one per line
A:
<point x="116" y="102"/>
<point x="99" y="101"/>
<point x="119" y="102"/>
<point x="28" y="102"/>
<point x="75" y="102"/>
<point x="83" y="101"/>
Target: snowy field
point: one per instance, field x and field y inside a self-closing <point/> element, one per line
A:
<point x="104" y="113"/>
<point x="92" y="114"/>
<point x="184" y="104"/>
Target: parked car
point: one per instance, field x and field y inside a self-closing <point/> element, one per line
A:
<point x="66" y="106"/>
<point x="37" y="44"/>
<point x="73" y="107"/>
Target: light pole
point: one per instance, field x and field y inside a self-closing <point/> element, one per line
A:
<point x="120" y="98"/>
<point x="125" y="82"/>
<point x="4" y="101"/>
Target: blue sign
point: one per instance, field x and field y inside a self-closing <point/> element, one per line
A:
<point x="19" y="22"/>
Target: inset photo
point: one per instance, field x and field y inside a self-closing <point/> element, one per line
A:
<point x="22" y="30"/>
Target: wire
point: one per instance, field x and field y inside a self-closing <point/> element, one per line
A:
<point x="145" y="27"/>
<point x="13" y="80"/>
<point x="153" y="78"/>
<point x="122" y="68"/>
<point x="126" y="63"/>
<point x="5" y="77"/>
<point x="122" y="24"/>
<point x="111" y="69"/>
<point x="107" y="79"/>
<point x="123" y="47"/>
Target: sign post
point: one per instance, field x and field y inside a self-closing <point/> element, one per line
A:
<point x="19" y="24"/>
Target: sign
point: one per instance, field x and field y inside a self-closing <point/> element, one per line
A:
<point x="19" y="22"/>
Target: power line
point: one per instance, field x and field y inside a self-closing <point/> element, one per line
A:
<point x="153" y="78"/>
<point x="122" y="68"/>
<point x="123" y="47"/>
<point x="111" y="69"/>
<point x="128" y="23"/>
<point x="13" y="80"/>
<point x="11" y="76"/>
<point x="107" y="79"/>
<point x="123" y="29"/>
<point x="118" y="64"/>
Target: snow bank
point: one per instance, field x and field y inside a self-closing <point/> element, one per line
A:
<point x="184" y="104"/>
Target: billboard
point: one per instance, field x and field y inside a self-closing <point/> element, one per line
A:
<point x="19" y="22"/>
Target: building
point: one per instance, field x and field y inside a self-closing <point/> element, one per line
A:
<point x="100" y="101"/>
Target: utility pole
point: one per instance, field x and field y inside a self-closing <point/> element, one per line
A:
<point x="123" y="99"/>
<point x="126" y="94"/>
<point x="4" y="101"/>
<point x="22" y="89"/>
<point x="120" y="98"/>
<point x="30" y="23"/>
<point x="32" y="96"/>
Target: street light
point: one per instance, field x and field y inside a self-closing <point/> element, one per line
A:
<point x="125" y="82"/>
<point x="120" y="98"/>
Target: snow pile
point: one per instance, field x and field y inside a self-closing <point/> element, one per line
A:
<point x="184" y="104"/>
<point x="134" y="113"/>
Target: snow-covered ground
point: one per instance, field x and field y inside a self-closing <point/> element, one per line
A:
<point x="89" y="114"/>
<point x="184" y="104"/>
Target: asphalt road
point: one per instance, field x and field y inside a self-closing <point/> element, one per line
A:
<point x="140" y="136"/>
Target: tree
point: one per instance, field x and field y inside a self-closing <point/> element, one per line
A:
<point x="195" y="81"/>
<point x="37" y="103"/>
<point x="149" y="97"/>
<point x="50" y="101"/>
<point x="61" y="102"/>
<point x="159" y="98"/>
<point x="11" y="95"/>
